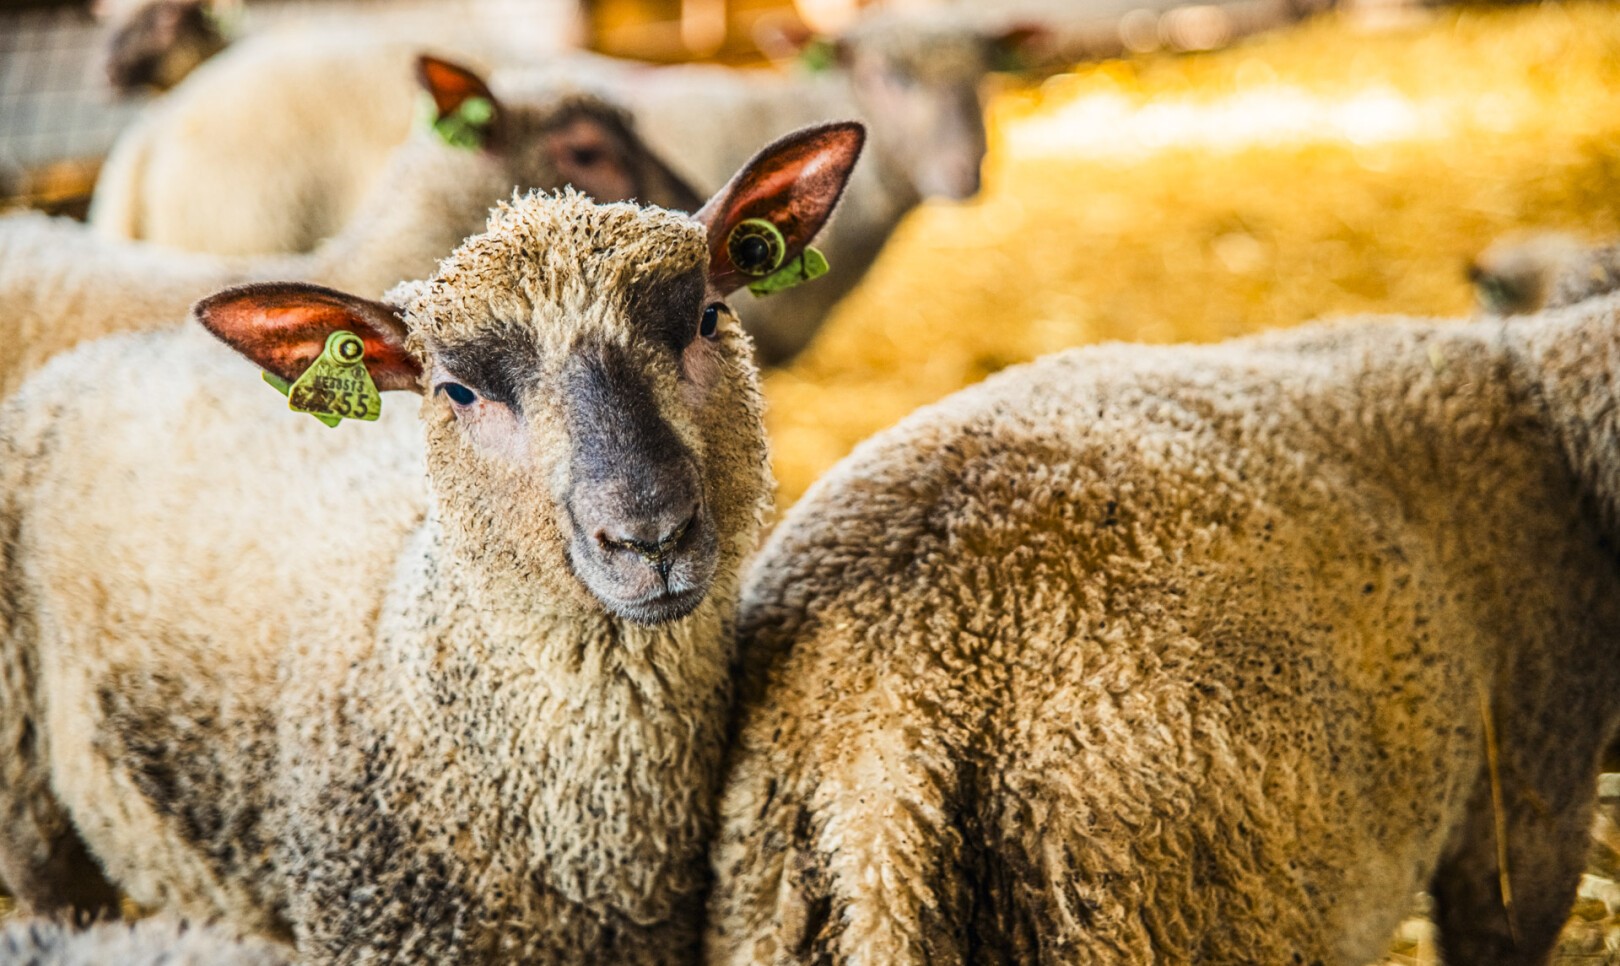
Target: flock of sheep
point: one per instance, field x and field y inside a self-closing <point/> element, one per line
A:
<point x="1109" y="659"/>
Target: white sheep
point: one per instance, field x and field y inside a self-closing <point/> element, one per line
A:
<point x="1191" y="654"/>
<point x="60" y="284"/>
<point x="150" y="942"/>
<point x="446" y="689"/>
<point x="284" y="180"/>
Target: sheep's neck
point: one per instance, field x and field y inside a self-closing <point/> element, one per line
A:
<point x="581" y="720"/>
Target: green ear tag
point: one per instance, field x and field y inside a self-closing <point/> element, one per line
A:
<point x="811" y="265"/>
<point x="465" y="127"/>
<point x="819" y="54"/>
<point x="336" y="386"/>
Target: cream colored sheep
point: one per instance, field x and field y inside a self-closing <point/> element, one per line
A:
<point x="439" y="689"/>
<point x="1191" y="654"/>
<point x="60" y="285"/>
<point x="151" y="942"/>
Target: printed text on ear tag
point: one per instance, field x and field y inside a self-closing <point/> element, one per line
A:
<point x="336" y="386"/>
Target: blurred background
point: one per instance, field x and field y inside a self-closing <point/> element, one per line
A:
<point x="1168" y="173"/>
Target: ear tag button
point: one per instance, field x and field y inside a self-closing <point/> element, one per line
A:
<point x="809" y="265"/>
<point x="756" y="247"/>
<point x="336" y="386"/>
<point x="466" y="126"/>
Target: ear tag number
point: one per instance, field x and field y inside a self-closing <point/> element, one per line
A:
<point x="336" y="386"/>
<point x="466" y="127"/>
<point x="810" y="265"/>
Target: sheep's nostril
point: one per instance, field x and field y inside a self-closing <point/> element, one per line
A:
<point x="654" y="544"/>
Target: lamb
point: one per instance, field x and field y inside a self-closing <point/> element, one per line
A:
<point x="151" y="942"/>
<point x="272" y="147"/>
<point x="1191" y="654"/>
<point x="914" y="82"/>
<point x="1521" y="274"/>
<point x="447" y="691"/>
<point x="60" y="285"/>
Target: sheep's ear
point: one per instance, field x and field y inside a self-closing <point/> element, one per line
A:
<point x="466" y="111"/>
<point x="282" y="327"/>
<point x="794" y="184"/>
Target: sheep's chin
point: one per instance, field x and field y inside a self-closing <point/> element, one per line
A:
<point x="665" y="608"/>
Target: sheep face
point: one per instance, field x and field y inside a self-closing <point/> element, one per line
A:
<point x="575" y="139"/>
<point x="572" y="407"/>
<point x="592" y="413"/>
<point x="920" y="86"/>
<point x="160" y="43"/>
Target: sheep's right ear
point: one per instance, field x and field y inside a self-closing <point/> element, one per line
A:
<point x="466" y="111"/>
<point x="282" y="328"/>
<point x="794" y="184"/>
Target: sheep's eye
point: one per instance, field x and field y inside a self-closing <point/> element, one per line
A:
<point x="711" y="321"/>
<point x="459" y="394"/>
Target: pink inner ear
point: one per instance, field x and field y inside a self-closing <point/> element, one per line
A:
<point x="793" y="183"/>
<point x="450" y="84"/>
<point x="283" y="327"/>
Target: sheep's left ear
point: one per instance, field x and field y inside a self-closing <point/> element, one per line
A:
<point x="282" y="327"/>
<point x="1018" y="48"/>
<point x="792" y="187"/>
<point x="466" y="114"/>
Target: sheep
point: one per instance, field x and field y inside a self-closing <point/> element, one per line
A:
<point x="1523" y="273"/>
<point x="60" y="284"/>
<point x="446" y="691"/>
<point x="151" y="942"/>
<point x="156" y="43"/>
<point x="914" y="82"/>
<point x="269" y="148"/>
<point x="1191" y="654"/>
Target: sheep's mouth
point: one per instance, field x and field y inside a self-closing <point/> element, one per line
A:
<point x="660" y="608"/>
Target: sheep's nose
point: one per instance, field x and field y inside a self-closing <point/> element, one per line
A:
<point x="654" y="538"/>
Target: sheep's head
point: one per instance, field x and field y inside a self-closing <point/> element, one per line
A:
<point x="918" y="83"/>
<point x="588" y="395"/>
<point x="157" y="44"/>
<point x="546" y="138"/>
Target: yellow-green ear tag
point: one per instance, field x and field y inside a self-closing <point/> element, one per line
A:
<point x="809" y="265"/>
<point x="466" y="126"/>
<point x="757" y="248"/>
<point x="336" y="386"/>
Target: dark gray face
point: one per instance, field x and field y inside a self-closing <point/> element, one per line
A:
<point x="160" y="44"/>
<point x="642" y="537"/>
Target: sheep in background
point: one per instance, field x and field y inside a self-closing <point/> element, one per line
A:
<point x="913" y="80"/>
<point x="287" y="177"/>
<point x="440" y="690"/>
<point x="60" y="285"/>
<point x="151" y="942"/>
<point x="1523" y="273"/>
<point x="1191" y="654"/>
<point x="154" y="44"/>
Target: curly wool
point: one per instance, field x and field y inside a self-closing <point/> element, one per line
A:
<point x="151" y="942"/>
<point x="1179" y="655"/>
